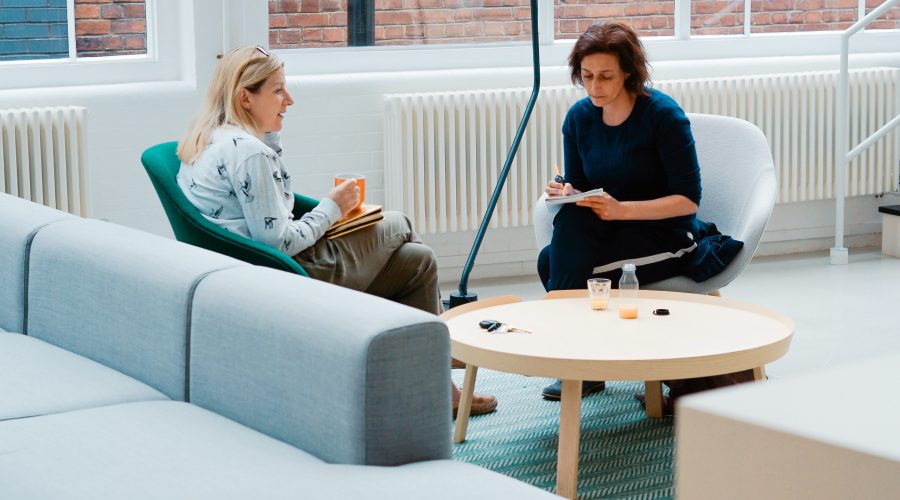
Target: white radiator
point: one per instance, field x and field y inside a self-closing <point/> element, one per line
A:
<point x="443" y="151"/>
<point x="42" y="156"/>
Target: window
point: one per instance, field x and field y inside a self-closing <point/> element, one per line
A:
<point x="40" y="29"/>
<point x="647" y="17"/>
<point x="329" y="23"/>
<point x="53" y="43"/>
<point x="719" y="17"/>
<point x="316" y="36"/>
<point x="342" y="23"/>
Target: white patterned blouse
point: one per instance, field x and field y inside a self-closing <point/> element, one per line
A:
<point x="241" y="184"/>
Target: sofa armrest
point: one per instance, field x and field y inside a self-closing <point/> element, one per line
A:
<point x="346" y="376"/>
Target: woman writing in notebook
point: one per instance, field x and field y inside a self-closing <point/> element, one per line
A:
<point x="636" y="143"/>
<point x="232" y="172"/>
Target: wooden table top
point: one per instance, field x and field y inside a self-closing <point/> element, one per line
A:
<point x="703" y="335"/>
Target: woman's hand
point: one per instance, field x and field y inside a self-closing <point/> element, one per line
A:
<point x="605" y="207"/>
<point x="345" y="195"/>
<point x="559" y="189"/>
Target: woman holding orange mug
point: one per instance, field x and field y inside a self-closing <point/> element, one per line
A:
<point x="233" y="173"/>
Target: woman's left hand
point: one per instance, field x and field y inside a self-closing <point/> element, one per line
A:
<point x="605" y="206"/>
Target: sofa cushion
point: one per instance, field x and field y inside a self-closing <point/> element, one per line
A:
<point x="18" y="221"/>
<point x="155" y="450"/>
<point x="118" y="296"/>
<point x="147" y="450"/>
<point x="284" y="355"/>
<point x="39" y="378"/>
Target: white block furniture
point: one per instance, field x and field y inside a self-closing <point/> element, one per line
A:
<point x="890" y="230"/>
<point x="833" y="434"/>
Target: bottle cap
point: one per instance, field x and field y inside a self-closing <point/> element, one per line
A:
<point x="628" y="267"/>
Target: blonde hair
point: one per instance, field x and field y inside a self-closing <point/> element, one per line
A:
<point x="243" y="68"/>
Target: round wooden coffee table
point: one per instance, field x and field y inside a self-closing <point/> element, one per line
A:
<point x="702" y="336"/>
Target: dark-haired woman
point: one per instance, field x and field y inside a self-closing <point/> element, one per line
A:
<point x="636" y="144"/>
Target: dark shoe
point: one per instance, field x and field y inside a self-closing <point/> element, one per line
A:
<point x="668" y="406"/>
<point x="481" y="404"/>
<point x="553" y="392"/>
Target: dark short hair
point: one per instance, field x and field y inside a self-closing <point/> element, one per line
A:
<point x="611" y="37"/>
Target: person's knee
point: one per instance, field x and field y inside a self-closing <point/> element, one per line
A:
<point x="419" y="257"/>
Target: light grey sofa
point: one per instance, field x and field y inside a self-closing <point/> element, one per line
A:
<point x="132" y="366"/>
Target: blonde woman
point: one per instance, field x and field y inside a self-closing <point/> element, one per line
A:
<point x="233" y="173"/>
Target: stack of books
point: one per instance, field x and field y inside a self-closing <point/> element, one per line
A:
<point x="356" y="219"/>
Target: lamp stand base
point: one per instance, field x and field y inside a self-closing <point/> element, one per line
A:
<point x="458" y="299"/>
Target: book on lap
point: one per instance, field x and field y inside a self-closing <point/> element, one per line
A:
<point x="355" y="220"/>
<point x="572" y="198"/>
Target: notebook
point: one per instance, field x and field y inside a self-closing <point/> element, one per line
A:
<point x="355" y="220"/>
<point x="572" y="198"/>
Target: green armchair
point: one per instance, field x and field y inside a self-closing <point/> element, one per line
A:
<point x="162" y="164"/>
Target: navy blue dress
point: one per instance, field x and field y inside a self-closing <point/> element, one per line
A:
<point x="650" y="155"/>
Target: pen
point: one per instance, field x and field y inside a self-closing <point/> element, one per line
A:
<point x="558" y="178"/>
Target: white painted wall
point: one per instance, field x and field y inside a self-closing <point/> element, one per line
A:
<point x="336" y="125"/>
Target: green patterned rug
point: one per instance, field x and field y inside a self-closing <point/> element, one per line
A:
<point x="623" y="453"/>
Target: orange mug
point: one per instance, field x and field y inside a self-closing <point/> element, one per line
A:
<point x="360" y="181"/>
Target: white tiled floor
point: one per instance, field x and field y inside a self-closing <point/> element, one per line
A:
<point x="842" y="313"/>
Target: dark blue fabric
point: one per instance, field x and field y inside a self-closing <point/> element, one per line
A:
<point x="650" y="155"/>
<point x="714" y="252"/>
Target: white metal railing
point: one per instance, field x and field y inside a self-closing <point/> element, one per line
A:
<point x="839" y="254"/>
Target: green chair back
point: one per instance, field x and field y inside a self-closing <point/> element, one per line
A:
<point x="162" y="164"/>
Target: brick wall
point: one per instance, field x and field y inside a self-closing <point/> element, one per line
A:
<point x="110" y="27"/>
<point x="33" y="29"/>
<point x="323" y="23"/>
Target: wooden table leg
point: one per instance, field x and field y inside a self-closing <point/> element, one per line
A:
<point x="759" y="373"/>
<point x="569" y="439"/>
<point x="465" y="403"/>
<point x="653" y="398"/>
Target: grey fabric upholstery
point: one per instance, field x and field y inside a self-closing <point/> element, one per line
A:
<point x="118" y="320"/>
<point x="37" y="378"/>
<point x="117" y="296"/>
<point x="739" y="189"/>
<point x="178" y="451"/>
<point x="18" y="219"/>
<point x="387" y="404"/>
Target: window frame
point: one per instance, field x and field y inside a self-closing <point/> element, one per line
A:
<point x="161" y="62"/>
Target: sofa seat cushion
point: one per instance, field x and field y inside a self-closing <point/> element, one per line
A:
<point x="170" y="449"/>
<point x="146" y="450"/>
<point x="37" y="378"/>
<point x="432" y="479"/>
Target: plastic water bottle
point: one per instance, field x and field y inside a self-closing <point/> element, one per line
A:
<point x="628" y="285"/>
